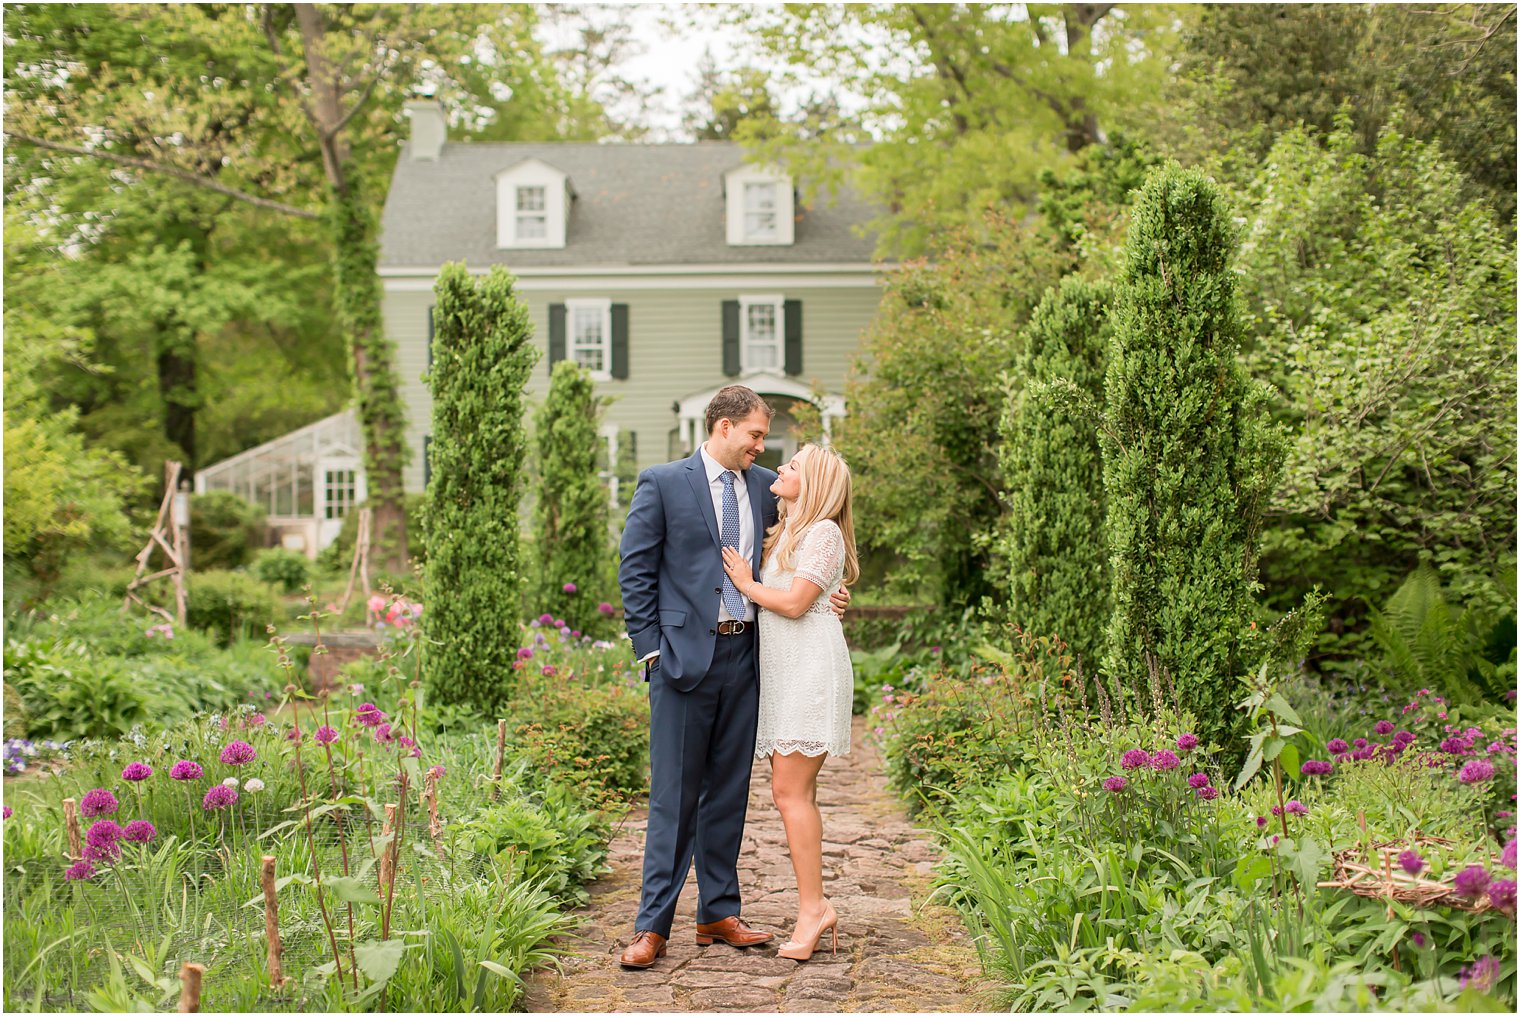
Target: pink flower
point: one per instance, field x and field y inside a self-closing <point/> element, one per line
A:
<point x="549" y="670"/>
<point x="326" y="734"/>
<point x="185" y="770"/>
<point x="98" y="802"/>
<point x="376" y="604"/>
<point x="569" y="587"/>
<point x="1114" y="784"/>
<point x="1476" y="771"/>
<point x="1198" y="781"/>
<point x="1164" y="760"/>
<point x="80" y="871"/>
<point x="605" y="609"/>
<point x="1208" y="793"/>
<point x="139" y="831"/>
<point x="1135" y="758"/>
<point x="137" y="772"/>
<point x="525" y="653"/>
<point x="238" y="753"/>
<point x="219" y="796"/>
<point x="1187" y="742"/>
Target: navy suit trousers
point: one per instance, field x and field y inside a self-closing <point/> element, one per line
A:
<point x="701" y="750"/>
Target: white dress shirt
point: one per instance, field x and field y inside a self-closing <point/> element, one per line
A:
<point x="715" y="470"/>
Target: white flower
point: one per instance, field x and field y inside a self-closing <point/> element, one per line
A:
<point x="230" y="781"/>
<point x="253" y="786"/>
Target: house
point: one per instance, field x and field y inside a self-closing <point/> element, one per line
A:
<point x="668" y="270"/>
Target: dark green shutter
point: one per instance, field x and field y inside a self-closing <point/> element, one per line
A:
<point x="731" y="337"/>
<point x="793" y="314"/>
<point x="430" y="339"/>
<point x="556" y="334"/>
<point x="620" y="341"/>
<point x="427" y="459"/>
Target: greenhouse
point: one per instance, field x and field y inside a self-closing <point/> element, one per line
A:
<point x="306" y="480"/>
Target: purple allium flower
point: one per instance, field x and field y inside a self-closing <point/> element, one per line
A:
<point x="1472" y="881"/>
<point x="1411" y="862"/>
<point x="1481" y="976"/>
<point x="575" y="634"/>
<point x="1187" y="742"/>
<point x="294" y="734"/>
<point x="561" y="624"/>
<point x="1135" y="758"/>
<point x="137" y="772"/>
<point x="1361" y="742"/>
<point x="1507" y="858"/>
<point x="1393" y="748"/>
<point x="139" y="831"/>
<point x="1277" y="811"/>
<point x="1296" y="808"/>
<point x="219" y="796"/>
<point x="1455" y="746"/>
<point x="1476" y="771"/>
<point x="238" y="753"/>
<point x="1404" y="737"/>
<point x="546" y="619"/>
<point x="1261" y="821"/>
<point x="1164" y="760"/>
<point x="1418" y="939"/>
<point x="256" y="719"/>
<point x="104" y="831"/>
<point x="98" y="802"/>
<point x="8" y="815"/>
<point x="1198" y="780"/>
<point x="548" y="670"/>
<point x="1501" y="893"/>
<point x="1337" y="746"/>
<point x="569" y="587"/>
<point x="1362" y="754"/>
<point x="104" y="850"/>
<point x="80" y="871"/>
<point x="370" y="715"/>
<point x="1114" y="784"/>
<point x="326" y="734"/>
<point x="605" y="609"/>
<point x="525" y="653"/>
<point x="1207" y="793"/>
<point x="1315" y="767"/>
<point x="185" y="770"/>
<point x="1383" y="728"/>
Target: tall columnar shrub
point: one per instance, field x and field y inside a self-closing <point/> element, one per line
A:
<point x="570" y="516"/>
<point x="482" y="356"/>
<point x="1188" y="455"/>
<point x="1052" y="467"/>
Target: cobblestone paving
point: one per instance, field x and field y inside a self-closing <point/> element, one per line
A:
<point x="897" y="953"/>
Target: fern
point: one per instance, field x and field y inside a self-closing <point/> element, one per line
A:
<point x="1428" y="643"/>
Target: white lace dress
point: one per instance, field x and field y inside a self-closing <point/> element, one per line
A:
<point x="807" y="686"/>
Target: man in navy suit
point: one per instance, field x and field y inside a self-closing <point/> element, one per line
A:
<point x="696" y="637"/>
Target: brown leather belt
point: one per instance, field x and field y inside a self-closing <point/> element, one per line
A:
<point x="733" y="627"/>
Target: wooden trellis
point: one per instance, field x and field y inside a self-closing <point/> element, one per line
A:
<point x="360" y="567"/>
<point x="174" y="540"/>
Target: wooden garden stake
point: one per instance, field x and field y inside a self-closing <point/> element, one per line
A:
<point x="71" y="823"/>
<point x="190" y="996"/>
<point x="271" y="922"/>
<point x="430" y="797"/>
<point x="388" y="855"/>
<point x="501" y="751"/>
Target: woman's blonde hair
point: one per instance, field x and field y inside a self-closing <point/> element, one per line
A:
<point x="824" y="494"/>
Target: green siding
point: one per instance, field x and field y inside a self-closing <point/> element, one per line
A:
<point x="674" y="350"/>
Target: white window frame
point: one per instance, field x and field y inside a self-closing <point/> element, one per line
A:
<point x="529" y="215"/>
<point x="746" y="361"/>
<point x="573" y="310"/>
<point x="751" y="233"/>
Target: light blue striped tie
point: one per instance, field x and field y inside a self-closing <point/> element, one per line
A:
<point x="730" y="538"/>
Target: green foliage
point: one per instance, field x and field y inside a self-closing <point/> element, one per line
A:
<point x="1250" y="71"/>
<point x="925" y="496"/>
<point x="573" y="543"/>
<point x="338" y="556"/>
<point x="229" y="605"/>
<point x="482" y="355"/>
<point x="985" y="100"/>
<point x="287" y="569"/>
<point x="224" y="530"/>
<point x="1187" y="459"/>
<point x="552" y="840"/>
<point x="1053" y="475"/>
<point x="1428" y="644"/>
<point x="1382" y="298"/>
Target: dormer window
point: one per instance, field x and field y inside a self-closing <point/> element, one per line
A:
<point x="532" y="206"/>
<point x="532" y="217"/>
<point x="760" y="206"/>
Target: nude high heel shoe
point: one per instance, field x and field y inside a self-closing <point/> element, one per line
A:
<point x="803" y="951"/>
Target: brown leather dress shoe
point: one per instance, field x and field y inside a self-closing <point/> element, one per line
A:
<point x="646" y="947"/>
<point x="733" y="931"/>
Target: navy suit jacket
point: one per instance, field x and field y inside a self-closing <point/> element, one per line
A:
<point x="671" y="571"/>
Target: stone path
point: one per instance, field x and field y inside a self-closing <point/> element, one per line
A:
<point x="897" y="953"/>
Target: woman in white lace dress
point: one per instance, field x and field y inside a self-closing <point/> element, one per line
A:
<point x="806" y="682"/>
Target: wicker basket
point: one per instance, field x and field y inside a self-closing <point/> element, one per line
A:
<point x="1383" y="879"/>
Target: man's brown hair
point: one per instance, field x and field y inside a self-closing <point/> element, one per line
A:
<point x="735" y="403"/>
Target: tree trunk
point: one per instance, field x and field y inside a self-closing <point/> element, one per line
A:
<point x="1081" y="123"/>
<point x="377" y="392"/>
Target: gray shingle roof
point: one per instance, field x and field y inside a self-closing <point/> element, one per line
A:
<point x="634" y="205"/>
